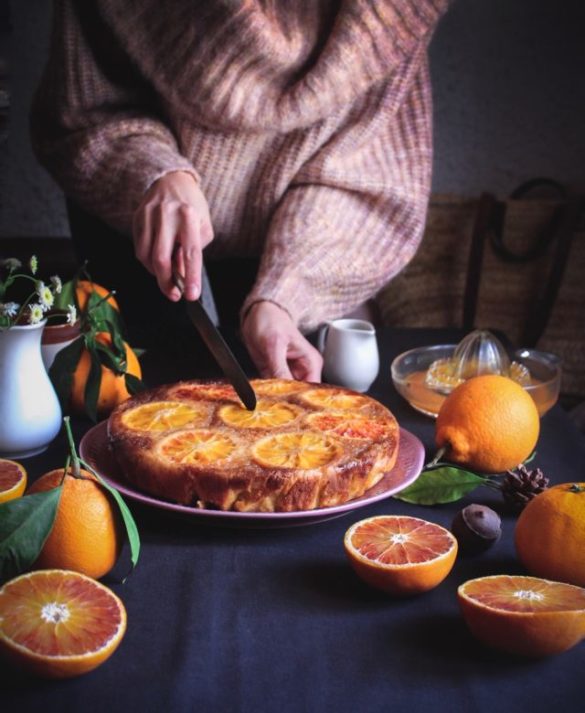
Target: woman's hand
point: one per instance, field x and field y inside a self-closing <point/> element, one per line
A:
<point x="277" y="347"/>
<point x="172" y="223"/>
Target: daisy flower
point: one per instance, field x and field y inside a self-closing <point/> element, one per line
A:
<point x="9" y="309"/>
<point x="71" y="314"/>
<point x="46" y="297"/>
<point x="33" y="264"/>
<point x="57" y="284"/>
<point x="35" y="313"/>
<point x="11" y="263"/>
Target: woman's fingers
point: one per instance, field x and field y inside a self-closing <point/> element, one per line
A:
<point x="189" y="237"/>
<point x="277" y="347"/>
<point x="165" y="228"/>
<point x="173" y="216"/>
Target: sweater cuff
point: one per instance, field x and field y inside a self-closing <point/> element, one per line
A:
<point x="289" y="292"/>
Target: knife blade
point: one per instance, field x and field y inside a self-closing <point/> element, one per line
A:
<point x="218" y="348"/>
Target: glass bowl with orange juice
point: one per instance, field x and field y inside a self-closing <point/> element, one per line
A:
<point x="425" y="376"/>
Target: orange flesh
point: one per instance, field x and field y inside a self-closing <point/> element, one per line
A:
<point x="401" y="541"/>
<point x="213" y="391"/>
<point x="10" y="475"/>
<point x="266" y="414"/>
<point x="525" y="594"/>
<point x="59" y="616"/>
<point x="198" y="447"/>
<point x="162" y="416"/>
<point x="421" y="396"/>
<point x="349" y="427"/>
<point x="334" y="400"/>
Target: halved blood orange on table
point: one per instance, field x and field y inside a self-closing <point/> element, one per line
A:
<point x="12" y="480"/>
<point x="524" y="615"/>
<point x="58" y="623"/>
<point x="399" y="554"/>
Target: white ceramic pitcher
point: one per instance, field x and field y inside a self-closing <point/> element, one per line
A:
<point x="350" y="353"/>
<point x="30" y="414"/>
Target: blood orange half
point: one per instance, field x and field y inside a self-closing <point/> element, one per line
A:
<point x="400" y="555"/>
<point x="58" y="623"/>
<point x="12" y="480"/>
<point x="524" y="615"/>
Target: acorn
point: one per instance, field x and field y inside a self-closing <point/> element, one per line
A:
<point x="476" y="528"/>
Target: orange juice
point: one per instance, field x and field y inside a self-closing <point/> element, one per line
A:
<point x="429" y="401"/>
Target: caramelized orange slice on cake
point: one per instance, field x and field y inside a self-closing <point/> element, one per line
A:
<point x="267" y="414"/>
<point x="296" y="450"/>
<point x="164" y="416"/>
<point x="198" y="447"/>
<point x="277" y="387"/>
<point x="348" y="426"/>
<point x="334" y="400"/>
<point x="211" y="392"/>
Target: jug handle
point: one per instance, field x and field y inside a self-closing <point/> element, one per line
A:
<point x="322" y="336"/>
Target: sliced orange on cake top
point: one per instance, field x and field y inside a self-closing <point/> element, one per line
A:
<point x="296" y="450"/>
<point x="164" y="415"/>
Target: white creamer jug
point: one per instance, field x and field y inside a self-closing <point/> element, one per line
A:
<point x="350" y="353"/>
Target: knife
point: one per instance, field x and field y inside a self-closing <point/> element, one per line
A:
<point x="218" y="347"/>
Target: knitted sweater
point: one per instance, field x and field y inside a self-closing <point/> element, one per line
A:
<point x="306" y="122"/>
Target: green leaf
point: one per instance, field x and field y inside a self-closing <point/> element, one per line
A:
<point x="94" y="382"/>
<point x="531" y="457"/>
<point x="129" y="522"/>
<point x="25" y="524"/>
<point x="102" y="313"/>
<point x="440" y="485"/>
<point x="66" y="297"/>
<point x="111" y="359"/>
<point x="133" y="384"/>
<point x="63" y="368"/>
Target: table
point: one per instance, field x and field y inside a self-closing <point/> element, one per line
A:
<point x="253" y="620"/>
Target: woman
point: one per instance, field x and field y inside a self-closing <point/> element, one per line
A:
<point x="299" y="132"/>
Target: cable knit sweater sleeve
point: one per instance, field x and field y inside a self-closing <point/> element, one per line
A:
<point x="354" y="215"/>
<point x="94" y="123"/>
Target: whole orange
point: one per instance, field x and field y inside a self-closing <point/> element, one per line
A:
<point x="489" y="424"/>
<point x="86" y="536"/>
<point x="550" y="534"/>
<point x="112" y="388"/>
<point x="83" y="290"/>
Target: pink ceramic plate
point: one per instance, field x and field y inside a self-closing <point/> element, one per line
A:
<point x="95" y="450"/>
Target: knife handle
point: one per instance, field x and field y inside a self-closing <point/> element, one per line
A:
<point x="178" y="280"/>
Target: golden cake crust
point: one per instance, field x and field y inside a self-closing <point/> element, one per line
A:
<point x="305" y="446"/>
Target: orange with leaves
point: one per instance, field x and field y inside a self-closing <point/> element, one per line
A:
<point x="86" y="536"/>
<point x="84" y="289"/>
<point x="112" y="390"/>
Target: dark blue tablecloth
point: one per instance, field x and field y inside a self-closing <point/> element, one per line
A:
<point x="240" y="619"/>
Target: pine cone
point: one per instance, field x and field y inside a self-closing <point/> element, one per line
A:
<point x="521" y="485"/>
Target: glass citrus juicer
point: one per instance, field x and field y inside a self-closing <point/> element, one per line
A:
<point x="426" y="375"/>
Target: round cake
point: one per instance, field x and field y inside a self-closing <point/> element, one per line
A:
<point x="305" y="445"/>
